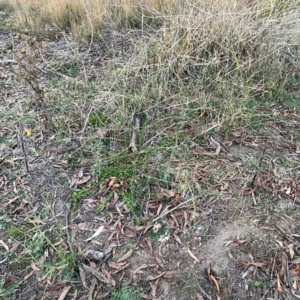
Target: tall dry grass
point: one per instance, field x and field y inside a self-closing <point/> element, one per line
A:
<point x="217" y="57"/>
<point x="86" y="17"/>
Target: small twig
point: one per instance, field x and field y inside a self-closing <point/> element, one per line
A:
<point x="200" y="289"/>
<point x="68" y="214"/>
<point x="23" y="148"/>
<point x="259" y="165"/>
<point x="165" y="212"/>
<point x="273" y="267"/>
<point x="138" y="118"/>
<point x="139" y="238"/>
<point x="203" y="292"/>
<point x="157" y="135"/>
<point x="7" y="61"/>
<point x="253" y="197"/>
<point x="86" y="121"/>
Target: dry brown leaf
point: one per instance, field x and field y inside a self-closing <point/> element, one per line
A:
<point x="149" y="278"/>
<point x="199" y="296"/>
<point x="15" y="246"/>
<point x="9" y="202"/>
<point x="139" y="228"/>
<point x="83" y="226"/>
<point x="75" y="295"/>
<point x="28" y="275"/>
<point x="296" y="271"/>
<point x="294" y="287"/>
<point x="291" y="250"/>
<point x="102" y="132"/>
<point x="102" y="296"/>
<point x="99" y="230"/>
<point x="50" y="294"/>
<point x="116" y="266"/>
<point x="92" y="288"/>
<point x="257" y="264"/>
<point x="96" y="273"/>
<point x="130" y="235"/>
<point x="178" y="240"/>
<point x="64" y="293"/>
<point x="156" y="227"/>
<point x="83" y="180"/>
<point x="159" y="209"/>
<point x="58" y="286"/>
<point x="175" y="220"/>
<point x="216" y="282"/>
<point x="34" y="267"/>
<point x="82" y="276"/>
<point x="4" y="245"/>
<point x="111" y="247"/>
<point x="124" y="267"/>
<point x="247" y="272"/>
<point x="185" y="219"/>
<point x="159" y="261"/>
<point x="172" y="193"/>
<point x="245" y="193"/>
<point x="127" y="255"/>
<point x="90" y="201"/>
<point x="153" y="288"/>
<point x="149" y="242"/>
<point x="279" y="288"/>
<point x="112" y="181"/>
<point x="144" y="266"/>
<point x="280" y="243"/>
<point x="107" y="274"/>
<point x="170" y="274"/>
<point x="116" y="198"/>
<point x="193" y="256"/>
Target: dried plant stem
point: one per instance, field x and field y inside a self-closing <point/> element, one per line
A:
<point x="23" y="147"/>
<point x="166" y="211"/>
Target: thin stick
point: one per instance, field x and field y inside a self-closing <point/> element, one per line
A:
<point x="68" y="215"/>
<point x="167" y="212"/>
<point x="200" y="289"/>
<point x="23" y="148"/>
<point x="135" y="135"/>
<point x="7" y="61"/>
<point x="259" y="165"/>
<point x="86" y="121"/>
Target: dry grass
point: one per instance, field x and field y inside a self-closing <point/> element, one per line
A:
<point x="215" y="59"/>
<point x="86" y="17"/>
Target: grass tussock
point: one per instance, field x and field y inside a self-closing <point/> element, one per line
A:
<point x="217" y="60"/>
<point x="87" y="17"/>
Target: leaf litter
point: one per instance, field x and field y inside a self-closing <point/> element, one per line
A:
<point x="220" y="231"/>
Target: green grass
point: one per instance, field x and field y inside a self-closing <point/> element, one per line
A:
<point x="7" y="290"/>
<point x="127" y="292"/>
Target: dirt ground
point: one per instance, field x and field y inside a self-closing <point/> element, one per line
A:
<point x="239" y="238"/>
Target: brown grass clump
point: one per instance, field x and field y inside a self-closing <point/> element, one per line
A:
<point x="217" y="57"/>
<point x="86" y="17"/>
